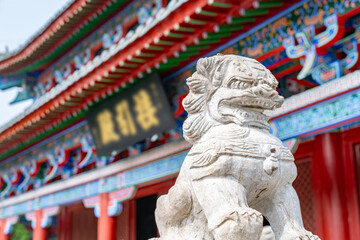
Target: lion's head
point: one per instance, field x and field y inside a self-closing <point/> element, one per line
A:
<point x="226" y="89"/>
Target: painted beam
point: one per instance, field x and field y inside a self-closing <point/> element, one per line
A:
<point x="254" y="12"/>
<point x="239" y="20"/>
<point x="328" y="106"/>
<point x="269" y="4"/>
<point x="328" y="90"/>
<point x="119" y="175"/>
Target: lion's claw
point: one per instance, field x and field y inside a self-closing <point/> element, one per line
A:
<point x="250" y="216"/>
<point x="251" y="213"/>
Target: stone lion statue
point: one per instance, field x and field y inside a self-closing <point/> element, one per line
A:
<point x="236" y="172"/>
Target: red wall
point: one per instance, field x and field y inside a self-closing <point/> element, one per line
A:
<point x="330" y="203"/>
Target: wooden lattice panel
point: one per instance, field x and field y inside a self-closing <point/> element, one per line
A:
<point x="304" y="188"/>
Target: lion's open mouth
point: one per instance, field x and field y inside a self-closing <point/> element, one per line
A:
<point x="253" y="94"/>
<point x="250" y="102"/>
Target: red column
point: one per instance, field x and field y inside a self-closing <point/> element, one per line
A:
<point x="39" y="233"/>
<point x="352" y="174"/>
<point x="3" y="236"/>
<point x="329" y="188"/>
<point x="106" y="224"/>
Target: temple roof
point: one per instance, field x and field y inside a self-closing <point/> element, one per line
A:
<point x="168" y="38"/>
<point x="174" y="38"/>
<point x="65" y="29"/>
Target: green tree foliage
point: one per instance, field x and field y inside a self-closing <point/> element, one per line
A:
<point x="20" y="232"/>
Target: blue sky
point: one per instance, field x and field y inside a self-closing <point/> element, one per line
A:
<point x="19" y="21"/>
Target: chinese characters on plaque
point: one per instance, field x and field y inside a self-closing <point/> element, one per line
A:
<point x="130" y="116"/>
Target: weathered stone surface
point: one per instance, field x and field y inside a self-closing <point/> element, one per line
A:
<point x="236" y="170"/>
<point x="267" y="234"/>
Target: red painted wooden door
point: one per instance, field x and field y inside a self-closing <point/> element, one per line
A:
<point x="123" y="223"/>
<point x="83" y="224"/>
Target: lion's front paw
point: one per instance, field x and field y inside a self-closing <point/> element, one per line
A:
<point x="304" y="235"/>
<point x="245" y="223"/>
<point x="251" y="223"/>
<point x="294" y="231"/>
<point x="308" y="236"/>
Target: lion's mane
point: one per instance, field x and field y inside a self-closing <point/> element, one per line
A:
<point x="201" y="84"/>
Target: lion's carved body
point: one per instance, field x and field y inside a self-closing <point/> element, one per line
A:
<point x="236" y="170"/>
